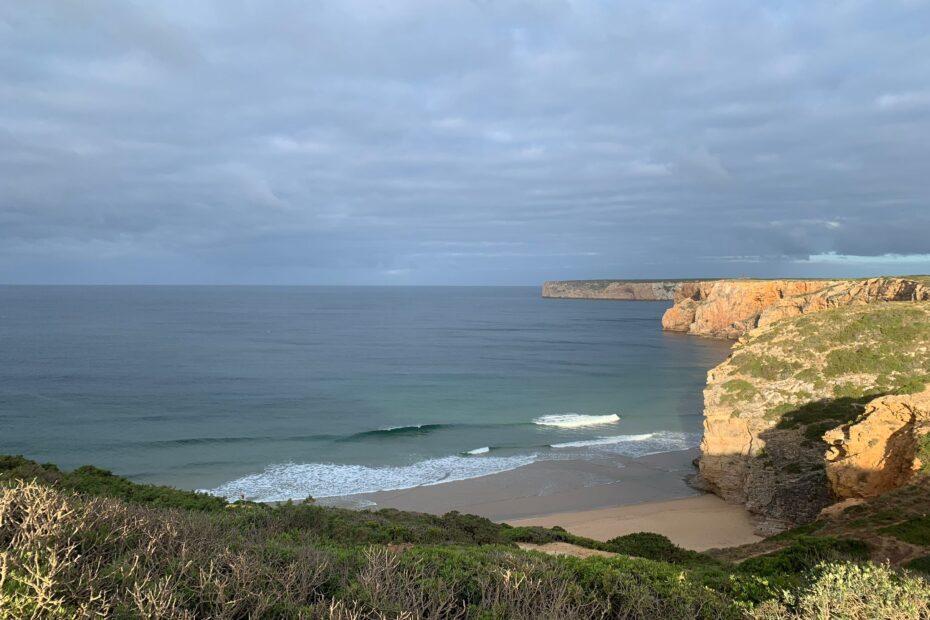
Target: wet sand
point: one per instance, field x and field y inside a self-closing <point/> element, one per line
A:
<point x="600" y="498"/>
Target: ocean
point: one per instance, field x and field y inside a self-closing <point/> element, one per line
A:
<point x="285" y="392"/>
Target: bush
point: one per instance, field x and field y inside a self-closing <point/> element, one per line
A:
<point x="66" y="556"/>
<point x="803" y="554"/>
<point x="100" y="482"/>
<point x="853" y="592"/>
<point x="656" y="547"/>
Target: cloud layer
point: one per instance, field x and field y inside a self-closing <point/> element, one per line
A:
<point x="461" y="142"/>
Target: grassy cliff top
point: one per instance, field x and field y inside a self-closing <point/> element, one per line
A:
<point x="818" y="367"/>
<point x="923" y="279"/>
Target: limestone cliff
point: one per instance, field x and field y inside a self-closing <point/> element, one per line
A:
<point x="729" y="308"/>
<point x="611" y="289"/>
<point x="882" y="450"/>
<point x="785" y="384"/>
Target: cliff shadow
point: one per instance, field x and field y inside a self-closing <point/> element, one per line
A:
<point x="783" y="477"/>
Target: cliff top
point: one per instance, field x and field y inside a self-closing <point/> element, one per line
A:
<point x="923" y="279"/>
<point x="822" y="367"/>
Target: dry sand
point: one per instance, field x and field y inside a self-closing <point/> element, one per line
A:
<point x="698" y="523"/>
<point x="599" y="498"/>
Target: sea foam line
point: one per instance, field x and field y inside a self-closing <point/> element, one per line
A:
<point x="285" y="481"/>
<point x="576" y="420"/>
<point x="604" y="441"/>
<point x="637" y="445"/>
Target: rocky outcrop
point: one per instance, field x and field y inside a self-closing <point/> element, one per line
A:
<point x="611" y="289"/>
<point x="730" y="308"/>
<point x="767" y="407"/>
<point x="882" y="450"/>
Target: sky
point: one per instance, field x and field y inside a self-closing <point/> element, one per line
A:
<point x="461" y="141"/>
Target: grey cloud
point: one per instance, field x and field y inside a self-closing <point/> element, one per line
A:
<point x="461" y="142"/>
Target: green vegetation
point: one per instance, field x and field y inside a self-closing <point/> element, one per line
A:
<point x="836" y="411"/>
<point x="90" y="543"/>
<point x="920" y="565"/>
<point x="923" y="453"/>
<point x="738" y="390"/>
<point x="915" y="531"/>
<point x="766" y="367"/>
<point x="657" y="547"/>
<point x="847" y="355"/>
<point x="803" y="554"/>
<point x="94" y="481"/>
<point x="848" y="591"/>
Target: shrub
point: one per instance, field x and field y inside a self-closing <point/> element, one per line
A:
<point x="853" y="592"/>
<point x="100" y="482"/>
<point x="656" y="547"/>
<point x="920" y="565"/>
<point x="804" y="553"/>
<point x="65" y="555"/>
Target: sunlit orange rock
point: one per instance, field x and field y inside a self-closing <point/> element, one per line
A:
<point x="880" y="451"/>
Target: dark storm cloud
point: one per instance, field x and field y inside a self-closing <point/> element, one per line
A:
<point x="461" y="142"/>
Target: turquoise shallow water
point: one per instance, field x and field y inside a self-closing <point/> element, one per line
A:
<point x="288" y="391"/>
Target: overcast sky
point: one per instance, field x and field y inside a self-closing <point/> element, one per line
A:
<point x="461" y="142"/>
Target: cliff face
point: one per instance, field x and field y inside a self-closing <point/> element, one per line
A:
<point x="611" y="289"/>
<point x="784" y="385"/>
<point x="883" y="449"/>
<point x="730" y="308"/>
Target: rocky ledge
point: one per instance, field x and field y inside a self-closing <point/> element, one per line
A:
<point x="883" y="449"/>
<point x="817" y="408"/>
<point x="730" y="308"/>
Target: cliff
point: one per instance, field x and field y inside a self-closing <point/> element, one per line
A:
<point x="730" y="308"/>
<point x="611" y="289"/>
<point x="883" y="449"/>
<point x="785" y="385"/>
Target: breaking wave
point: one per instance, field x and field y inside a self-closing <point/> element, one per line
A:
<point x="576" y="420"/>
<point x="300" y="480"/>
<point x="637" y="445"/>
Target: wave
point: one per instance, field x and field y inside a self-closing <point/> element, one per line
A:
<point x="576" y="420"/>
<point x="637" y="445"/>
<point x="603" y="441"/>
<point x="196" y="441"/>
<point x="483" y="450"/>
<point x="395" y="431"/>
<point x="299" y="480"/>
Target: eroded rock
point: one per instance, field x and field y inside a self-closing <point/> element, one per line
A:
<point x="880" y="451"/>
<point x="730" y="308"/>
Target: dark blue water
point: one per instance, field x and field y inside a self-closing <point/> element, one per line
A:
<point x="289" y="391"/>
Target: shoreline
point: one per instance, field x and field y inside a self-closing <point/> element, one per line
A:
<point x="600" y="497"/>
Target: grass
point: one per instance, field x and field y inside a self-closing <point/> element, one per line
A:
<point x="738" y="390"/>
<point x="915" y="531"/>
<point x="834" y="361"/>
<point x="835" y="411"/>
<point x="768" y="367"/>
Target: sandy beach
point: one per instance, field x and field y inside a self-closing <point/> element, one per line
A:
<point x="698" y="523"/>
<point x="600" y="498"/>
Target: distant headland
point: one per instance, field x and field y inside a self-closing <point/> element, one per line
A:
<point x="730" y="308"/>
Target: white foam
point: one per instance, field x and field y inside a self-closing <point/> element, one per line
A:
<point x="483" y="450"/>
<point x="576" y="420"/>
<point x="298" y="480"/>
<point x="603" y="441"/>
<point x="637" y="445"/>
